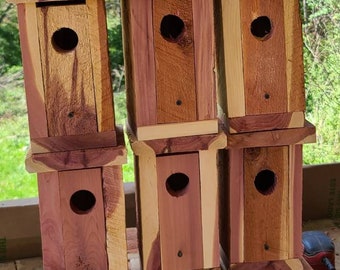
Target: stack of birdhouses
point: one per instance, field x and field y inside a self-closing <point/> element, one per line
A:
<point x="171" y="92"/>
<point x="76" y="149"/>
<point x="261" y="68"/>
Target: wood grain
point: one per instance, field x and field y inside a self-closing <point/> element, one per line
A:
<point x="31" y="59"/>
<point x="68" y="77"/>
<point x="175" y="64"/>
<point x="266" y="216"/>
<point x="180" y="215"/>
<point x="114" y="205"/>
<point x="83" y="234"/>
<point x="264" y="60"/>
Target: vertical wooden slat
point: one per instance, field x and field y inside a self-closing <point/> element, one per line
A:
<point x="139" y="62"/>
<point x="175" y="66"/>
<point x="114" y="204"/>
<point x="264" y="61"/>
<point x="294" y="56"/>
<point x="100" y="65"/>
<point x="83" y="233"/>
<point x="266" y="233"/>
<point x="180" y="216"/>
<point x="209" y="208"/>
<point x="68" y="78"/>
<point x="203" y="18"/>
<point x="29" y="40"/>
<point x="232" y="38"/>
<point x="51" y="225"/>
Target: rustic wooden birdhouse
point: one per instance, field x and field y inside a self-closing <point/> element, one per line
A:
<point x="67" y="75"/>
<point x="170" y="60"/>
<point x="178" y="202"/>
<point x="261" y="65"/>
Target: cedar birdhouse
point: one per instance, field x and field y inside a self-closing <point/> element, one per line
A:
<point x="170" y="59"/>
<point x="263" y="65"/>
<point x="67" y="75"/>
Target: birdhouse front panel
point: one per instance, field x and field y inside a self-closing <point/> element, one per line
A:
<point x="263" y="65"/>
<point x="170" y="56"/>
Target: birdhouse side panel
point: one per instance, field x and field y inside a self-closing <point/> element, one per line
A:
<point x="67" y="70"/>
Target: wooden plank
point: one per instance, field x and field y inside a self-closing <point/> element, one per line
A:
<point x="264" y="58"/>
<point x="292" y="264"/>
<point x="83" y="223"/>
<point x="101" y="65"/>
<point x="294" y="56"/>
<point x="232" y="37"/>
<point x="147" y="201"/>
<point x="31" y="58"/>
<point x="180" y="212"/>
<point x="266" y="204"/>
<point x="273" y="137"/>
<point x="262" y="122"/>
<point x="8" y="266"/>
<point x="51" y="224"/>
<point x="67" y="70"/>
<point x="114" y="204"/>
<point x="139" y="62"/>
<point x="204" y="38"/>
<point x="173" y="130"/>
<point x="174" y="57"/>
<point x="295" y="201"/>
<point x="209" y="208"/>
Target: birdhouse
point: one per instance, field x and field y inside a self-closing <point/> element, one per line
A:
<point x="170" y="60"/>
<point x="261" y="65"/>
<point x="178" y="202"/>
<point x="67" y="75"/>
<point x="262" y="214"/>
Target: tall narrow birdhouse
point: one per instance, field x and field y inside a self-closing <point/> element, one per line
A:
<point x="178" y="204"/>
<point x="261" y="65"/>
<point x="67" y="75"/>
<point x="170" y="59"/>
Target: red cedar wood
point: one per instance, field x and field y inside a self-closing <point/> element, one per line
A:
<point x="266" y="217"/>
<point x="100" y="65"/>
<point x="68" y="77"/>
<point x="27" y="19"/>
<point x="180" y="217"/>
<point x="298" y="264"/>
<point x="51" y="225"/>
<point x="175" y="65"/>
<point x="204" y="38"/>
<point x="139" y="59"/>
<point x="264" y="61"/>
<point x="114" y="204"/>
<point x="83" y="234"/>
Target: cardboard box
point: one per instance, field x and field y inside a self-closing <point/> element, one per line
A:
<point x="321" y="191"/>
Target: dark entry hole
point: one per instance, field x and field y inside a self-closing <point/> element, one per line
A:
<point x="261" y="27"/>
<point x="176" y="184"/>
<point x="172" y="28"/>
<point x="64" y="39"/>
<point x="265" y="182"/>
<point x="82" y="202"/>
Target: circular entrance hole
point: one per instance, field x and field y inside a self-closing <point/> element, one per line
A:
<point x="261" y="27"/>
<point x="176" y="184"/>
<point x="64" y="39"/>
<point x="172" y="28"/>
<point x="82" y="202"/>
<point x="265" y="182"/>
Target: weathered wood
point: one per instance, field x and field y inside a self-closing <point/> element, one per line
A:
<point x="262" y="122"/>
<point x="173" y="130"/>
<point x="292" y="264"/>
<point x="180" y="212"/>
<point x="264" y="63"/>
<point x="83" y="226"/>
<point x="140" y="67"/>
<point x="266" y="214"/>
<point x="114" y="204"/>
<point x="175" y="68"/>
<point x="35" y="99"/>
